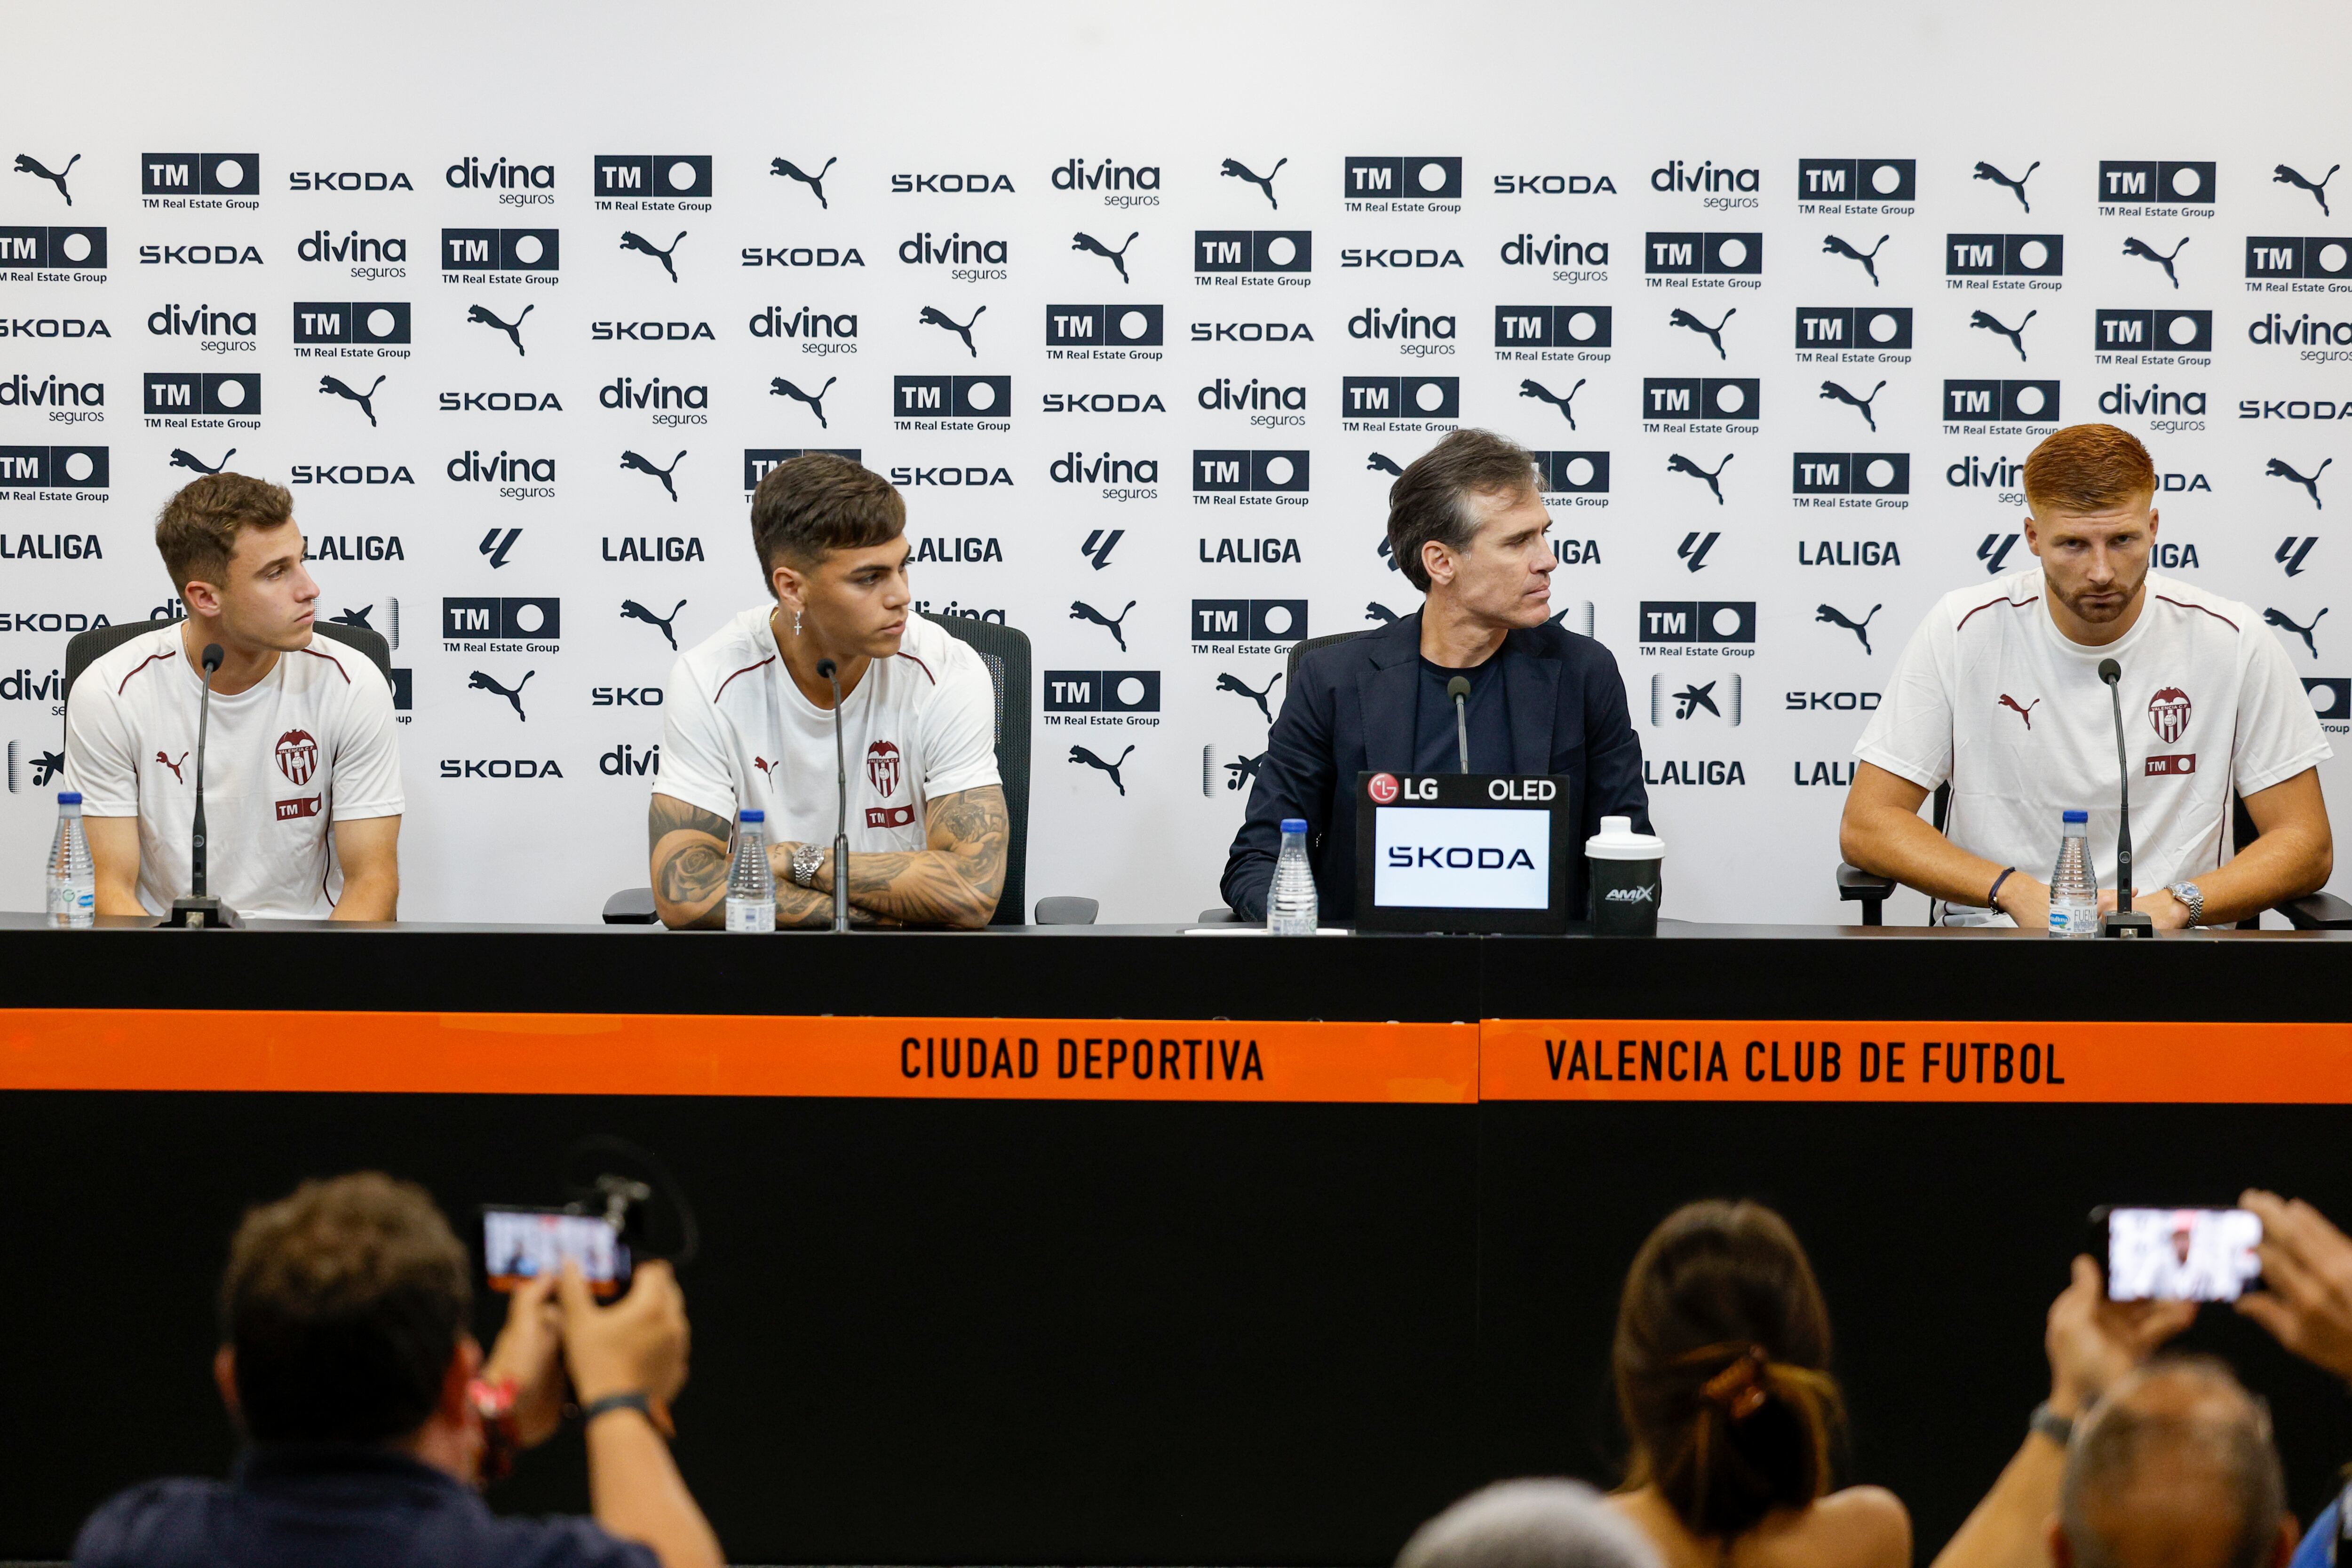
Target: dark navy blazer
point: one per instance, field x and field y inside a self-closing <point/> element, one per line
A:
<point x="1352" y="708"/>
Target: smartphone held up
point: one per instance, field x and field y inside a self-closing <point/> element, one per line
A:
<point x="2176" y="1254"/>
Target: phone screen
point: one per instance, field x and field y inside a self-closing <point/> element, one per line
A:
<point x="520" y="1244"/>
<point x="2182" y="1254"/>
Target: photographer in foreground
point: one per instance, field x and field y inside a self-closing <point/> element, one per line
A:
<point x="372" y="1418"/>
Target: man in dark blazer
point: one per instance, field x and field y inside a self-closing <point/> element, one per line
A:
<point x="1467" y="526"/>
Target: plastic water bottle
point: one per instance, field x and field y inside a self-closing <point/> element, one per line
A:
<point x="751" y="882"/>
<point x="73" y="880"/>
<point x="2074" y="888"/>
<point x="1290" y="909"/>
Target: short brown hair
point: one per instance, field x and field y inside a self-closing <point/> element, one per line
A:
<point x="1431" y="499"/>
<point x="1722" y="1369"/>
<point x="818" y="502"/>
<point x="345" y="1303"/>
<point x="2088" y="468"/>
<point x="198" y="527"/>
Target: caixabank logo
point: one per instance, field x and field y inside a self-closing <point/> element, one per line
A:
<point x="1851" y="478"/>
<point x="758" y="460"/>
<point x="482" y="256"/>
<point x="2130" y="187"/>
<point x="1567" y="329"/>
<point x="1425" y="185"/>
<point x="214" y="180"/>
<point x="183" y="400"/>
<point x="651" y="181"/>
<point x="2283" y="257"/>
<point x="354" y="329"/>
<point x="1697" y="403"/>
<point x="78" y="468"/>
<point x="2153" y="337"/>
<point x="951" y="402"/>
<point x="1690" y="259"/>
<point x="1865" y="334"/>
<point x="1231" y="256"/>
<point x="1230" y="625"/>
<point x="1573" y="479"/>
<point x="1105" y="331"/>
<point x="1980" y="407"/>
<point x="1399" y="403"/>
<point x="66" y="250"/>
<point x="1232" y="477"/>
<point x="2005" y="261"/>
<point x="1857" y="184"/>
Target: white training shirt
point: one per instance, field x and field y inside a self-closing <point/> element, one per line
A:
<point x="737" y="734"/>
<point x="1992" y="696"/>
<point x="312" y="743"/>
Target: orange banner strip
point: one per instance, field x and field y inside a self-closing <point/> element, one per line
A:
<point x="1929" y="1062"/>
<point x="638" y="1053"/>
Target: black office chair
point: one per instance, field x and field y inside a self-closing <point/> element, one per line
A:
<point x="2312" y="912"/>
<point x="87" y="647"/>
<point x="1005" y="651"/>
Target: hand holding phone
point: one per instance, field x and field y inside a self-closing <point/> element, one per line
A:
<point x="2307" y="1272"/>
<point x="519" y="1245"/>
<point x="2178" y="1254"/>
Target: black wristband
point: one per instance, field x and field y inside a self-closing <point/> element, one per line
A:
<point x="1992" y="899"/>
<point x="2058" y="1428"/>
<point x="640" y="1402"/>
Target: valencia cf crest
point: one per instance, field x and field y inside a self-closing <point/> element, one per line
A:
<point x="882" y="768"/>
<point x="2169" y="711"/>
<point x="298" y="756"/>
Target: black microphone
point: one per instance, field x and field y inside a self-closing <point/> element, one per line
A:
<point x="200" y="909"/>
<point x="2123" y="920"/>
<point x="832" y="671"/>
<point x="1458" y="688"/>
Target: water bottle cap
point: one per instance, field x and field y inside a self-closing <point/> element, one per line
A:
<point x="2078" y="816"/>
<point x="69" y="797"/>
<point x="753" y="817"/>
<point x="1293" y="824"/>
<point x="1617" y="840"/>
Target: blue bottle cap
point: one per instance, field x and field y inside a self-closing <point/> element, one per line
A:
<point x="2078" y="816"/>
<point x="753" y="817"/>
<point x="1293" y="824"/>
<point x="69" y="797"/>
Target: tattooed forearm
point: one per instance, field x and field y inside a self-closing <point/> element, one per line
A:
<point x="955" y="882"/>
<point x="688" y="850"/>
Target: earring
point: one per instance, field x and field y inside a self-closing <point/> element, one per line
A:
<point x="796" y="622"/>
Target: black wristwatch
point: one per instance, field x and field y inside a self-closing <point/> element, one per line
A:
<point x="2059" y="1429"/>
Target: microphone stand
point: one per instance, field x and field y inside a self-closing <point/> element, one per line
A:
<point x="1458" y="688"/>
<point x="832" y="672"/>
<point x="200" y="909"/>
<point x="2123" y="920"/>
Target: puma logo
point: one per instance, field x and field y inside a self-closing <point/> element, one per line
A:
<point x="512" y="328"/>
<point x="1833" y="245"/>
<point x="2281" y="175"/>
<point x="1233" y="684"/>
<point x="632" y="611"/>
<point x="2147" y="251"/>
<point x="1678" y="464"/>
<point x="174" y="766"/>
<point x="644" y="247"/>
<point x="1117" y="259"/>
<point x="935" y="316"/>
<point x="1380" y="463"/>
<point x="1713" y="334"/>
<point x="478" y="681"/>
<point x="1986" y="172"/>
<point x="1836" y="617"/>
<point x="1243" y="769"/>
<point x="1381" y="614"/>
<point x="2016" y="335"/>
<point x="1080" y="753"/>
<point x="2025" y="713"/>
<point x="2278" y="618"/>
<point x="366" y="400"/>
<point x="815" y="182"/>
<point x="180" y="459"/>
<point x="643" y="465"/>
<point x="1542" y="393"/>
<point x="355" y="617"/>
<point x="767" y="767"/>
<point x="1237" y="170"/>
<point x="28" y="164"/>
<point x="782" y="388"/>
<point x="2278" y="468"/>
<point x="1081" y="611"/>
<point x="1836" y="394"/>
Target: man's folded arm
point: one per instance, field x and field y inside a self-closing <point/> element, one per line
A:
<point x="689" y="846"/>
<point x="1613" y="751"/>
<point x="1293" y="780"/>
<point x="1882" y="832"/>
<point x="2293" y="853"/>
<point x="954" y="881"/>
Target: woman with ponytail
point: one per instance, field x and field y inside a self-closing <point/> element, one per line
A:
<point x="1722" y="1371"/>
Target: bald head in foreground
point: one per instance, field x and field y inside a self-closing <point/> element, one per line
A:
<point x="1528" y="1524"/>
<point x="2174" y="1468"/>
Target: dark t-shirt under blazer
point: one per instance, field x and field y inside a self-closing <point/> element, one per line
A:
<point x="1355" y="708"/>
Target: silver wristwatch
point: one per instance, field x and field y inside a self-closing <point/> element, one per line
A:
<point x="2193" y="897"/>
<point x="806" y="860"/>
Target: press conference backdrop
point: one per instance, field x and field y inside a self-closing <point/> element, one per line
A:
<point x="1142" y="312"/>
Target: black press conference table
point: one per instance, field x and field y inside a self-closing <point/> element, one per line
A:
<point x="1120" y="1245"/>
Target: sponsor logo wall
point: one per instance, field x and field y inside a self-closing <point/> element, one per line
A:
<point x="1144" y="377"/>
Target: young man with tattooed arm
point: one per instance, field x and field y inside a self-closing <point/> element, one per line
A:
<point x="749" y="725"/>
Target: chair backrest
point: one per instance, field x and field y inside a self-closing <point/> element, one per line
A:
<point x="1300" y="649"/>
<point x="1006" y="652"/>
<point x="86" y="648"/>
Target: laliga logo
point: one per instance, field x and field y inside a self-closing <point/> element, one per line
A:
<point x="2168" y="712"/>
<point x="298" y="756"/>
